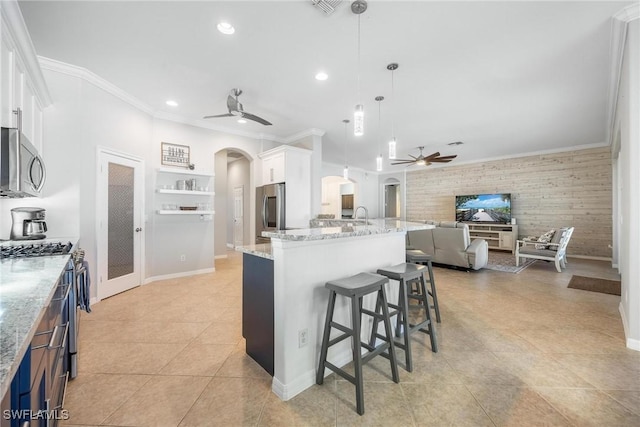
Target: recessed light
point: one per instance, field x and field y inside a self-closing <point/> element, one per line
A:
<point x="172" y="103"/>
<point x="226" y="28"/>
<point x="322" y="76"/>
<point x="242" y="121"/>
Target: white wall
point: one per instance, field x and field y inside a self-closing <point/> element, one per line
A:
<point x="220" y="204"/>
<point x="627" y="126"/>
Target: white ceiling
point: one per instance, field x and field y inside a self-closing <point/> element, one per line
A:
<point x="504" y="77"/>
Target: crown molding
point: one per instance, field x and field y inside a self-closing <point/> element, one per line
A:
<point x="17" y="30"/>
<point x="94" y="79"/>
<point x="619" y="23"/>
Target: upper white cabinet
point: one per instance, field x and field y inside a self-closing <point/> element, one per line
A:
<point x="22" y="85"/>
<point x="291" y="165"/>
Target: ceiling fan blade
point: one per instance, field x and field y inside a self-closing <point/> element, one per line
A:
<point x="403" y="162"/>
<point x="218" y="115"/>
<point x="446" y="157"/>
<point x="440" y="160"/>
<point x="255" y="119"/>
<point x="233" y="104"/>
<point x="432" y="156"/>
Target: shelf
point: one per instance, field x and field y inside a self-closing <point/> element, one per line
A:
<point x="181" y="171"/>
<point x="179" y="212"/>
<point x="186" y="192"/>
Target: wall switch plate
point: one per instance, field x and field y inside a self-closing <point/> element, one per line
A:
<point x="303" y="337"/>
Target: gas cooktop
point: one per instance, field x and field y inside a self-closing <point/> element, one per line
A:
<point x="29" y="250"/>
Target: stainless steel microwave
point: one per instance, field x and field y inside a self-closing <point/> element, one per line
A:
<point x="22" y="172"/>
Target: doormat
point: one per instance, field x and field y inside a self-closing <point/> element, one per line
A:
<point x="506" y="262"/>
<point x="595" y="284"/>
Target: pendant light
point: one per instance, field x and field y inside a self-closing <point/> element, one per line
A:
<point x="358" y="7"/>
<point x="379" y="158"/>
<point x="345" y="171"/>
<point x="392" y="142"/>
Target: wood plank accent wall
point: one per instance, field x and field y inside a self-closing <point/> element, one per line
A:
<point x="572" y="188"/>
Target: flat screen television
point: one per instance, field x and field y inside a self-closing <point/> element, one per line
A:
<point x="494" y="208"/>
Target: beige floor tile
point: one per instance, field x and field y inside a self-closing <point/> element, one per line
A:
<point x="125" y="358"/>
<point x="105" y="331"/>
<point x="229" y="402"/>
<point x="163" y="401"/>
<point x="589" y="407"/>
<point x="384" y="405"/>
<point x="105" y="392"/>
<point x="605" y="371"/>
<point x="221" y="332"/>
<point x="315" y="407"/>
<point x="629" y="399"/>
<point x="483" y="368"/>
<point x="240" y="365"/>
<point x="441" y="404"/>
<point x="198" y="360"/>
<point x="516" y="406"/>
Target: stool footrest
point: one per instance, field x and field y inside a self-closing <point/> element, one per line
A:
<point x="372" y="313"/>
<point x="339" y="338"/>
<point x="340" y="372"/>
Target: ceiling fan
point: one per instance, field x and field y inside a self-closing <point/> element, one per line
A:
<point x="235" y="109"/>
<point x="421" y="160"/>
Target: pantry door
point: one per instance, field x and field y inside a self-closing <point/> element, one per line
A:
<point x="120" y="219"/>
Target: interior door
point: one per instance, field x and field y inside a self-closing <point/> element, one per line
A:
<point x="238" y="216"/>
<point x="120" y="207"/>
<point x="391" y="201"/>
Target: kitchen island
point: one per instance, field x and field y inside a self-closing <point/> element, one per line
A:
<point x="296" y="267"/>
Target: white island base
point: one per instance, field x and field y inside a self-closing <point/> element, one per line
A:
<point x="301" y="269"/>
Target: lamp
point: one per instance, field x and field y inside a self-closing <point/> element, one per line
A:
<point x="358" y="7"/>
<point x="379" y="158"/>
<point x="345" y="171"/>
<point x="392" y="143"/>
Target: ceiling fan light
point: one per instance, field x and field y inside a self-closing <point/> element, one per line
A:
<point x="421" y="162"/>
<point x="358" y="120"/>
<point x="345" y="172"/>
<point x="226" y="28"/>
<point x="379" y="163"/>
<point x="392" y="148"/>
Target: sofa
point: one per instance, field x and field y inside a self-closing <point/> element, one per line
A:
<point x="449" y="243"/>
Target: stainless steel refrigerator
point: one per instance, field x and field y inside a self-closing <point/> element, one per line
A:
<point x="270" y="210"/>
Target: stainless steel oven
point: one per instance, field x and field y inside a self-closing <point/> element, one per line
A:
<point x="270" y="210"/>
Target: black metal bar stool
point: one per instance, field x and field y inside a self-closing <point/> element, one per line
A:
<point x="416" y="256"/>
<point x="405" y="273"/>
<point x="355" y="287"/>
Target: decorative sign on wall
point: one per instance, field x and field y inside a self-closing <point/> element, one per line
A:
<point x="175" y="155"/>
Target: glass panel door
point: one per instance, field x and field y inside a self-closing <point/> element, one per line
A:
<point x="120" y="252"/>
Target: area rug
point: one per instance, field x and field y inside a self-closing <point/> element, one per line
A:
<point x="506" y="262"/>
<point x="595" y="284"/>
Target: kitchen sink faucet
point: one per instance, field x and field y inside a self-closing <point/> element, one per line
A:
<point x="366" y="214"/>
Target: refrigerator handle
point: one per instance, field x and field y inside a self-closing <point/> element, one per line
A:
<point x="280" y="209"/>
<point x="264" y="211"/>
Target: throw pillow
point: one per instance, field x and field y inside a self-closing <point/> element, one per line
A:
<point x="545" y="238"/>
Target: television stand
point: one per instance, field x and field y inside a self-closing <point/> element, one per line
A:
<point x="499" y="236"/>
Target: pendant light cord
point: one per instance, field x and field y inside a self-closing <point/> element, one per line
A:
<point x="393" y="107"/>
<point x="358" y="59"/>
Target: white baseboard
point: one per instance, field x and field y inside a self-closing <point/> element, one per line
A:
<point x="306" y="380"/>
<point x="595" y="258"/>
<point x="178" y="275"/>
<point x="632" y="344"/>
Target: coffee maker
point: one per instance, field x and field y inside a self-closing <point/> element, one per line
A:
<point x="28" y="224"/>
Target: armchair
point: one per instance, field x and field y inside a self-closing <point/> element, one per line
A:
<point x="555" y="251"/>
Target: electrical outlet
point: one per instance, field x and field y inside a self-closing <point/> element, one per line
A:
<point x="183" y="257"/>
<point x="303" y="337"/>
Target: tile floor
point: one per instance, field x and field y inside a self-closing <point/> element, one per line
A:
<point x="515" y="349"/>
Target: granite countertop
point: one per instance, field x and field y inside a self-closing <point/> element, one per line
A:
<point x="262" y="250"/>
<point x="352" y="228"/>
<point x="26" y="288"/>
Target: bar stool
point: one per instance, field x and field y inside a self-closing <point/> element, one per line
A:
<point x="355" y="287"/>
<point x="416" y="256"/>
<point x="405" y="273"/>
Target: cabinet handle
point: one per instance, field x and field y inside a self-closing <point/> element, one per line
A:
<point x="271" y="174"/>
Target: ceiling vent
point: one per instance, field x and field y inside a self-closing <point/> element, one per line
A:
<point x="327" y="6"/>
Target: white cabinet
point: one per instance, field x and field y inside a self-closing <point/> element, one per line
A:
<point x="173" y="201"/>
<point x="498" y="236"/>
<point x="22" y="85"/>
<point x="291" y="165"/>
<point x="273" y="169"/>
